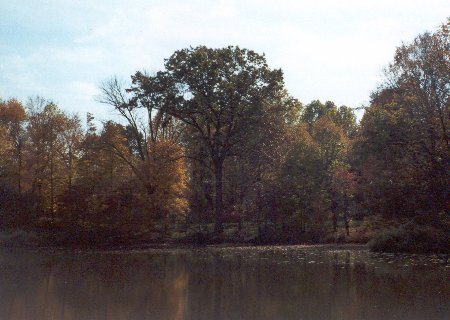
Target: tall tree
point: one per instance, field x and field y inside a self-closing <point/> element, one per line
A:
<point x="402" y="149"/>
<point x="219" y="92"/>
<point x="47" y="128"/>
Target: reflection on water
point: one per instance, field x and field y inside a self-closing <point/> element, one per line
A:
<point x="295" y="282"/>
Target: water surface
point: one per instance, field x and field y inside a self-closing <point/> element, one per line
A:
<point x="255" y="283"/>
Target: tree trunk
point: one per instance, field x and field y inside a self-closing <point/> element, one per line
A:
<point x="334" y="218"/>
<point x="51" y="189"/>
<point x="259" y="207"/>
<point x="19" y="178"/>
<point x="218" y="208"/>
<point x="70" y="167"/>
<point x="347" y="226"/>
<point x="259" y="201"/>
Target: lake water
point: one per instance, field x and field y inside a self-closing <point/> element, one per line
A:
<point x="254" y="283"/>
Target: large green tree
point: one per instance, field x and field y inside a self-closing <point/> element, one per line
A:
<point x="220" y="93"/>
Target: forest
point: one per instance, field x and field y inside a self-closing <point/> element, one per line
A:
<point x="213" y="149"/>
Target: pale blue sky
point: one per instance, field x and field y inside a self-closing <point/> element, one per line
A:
<point x="328" y="50"/>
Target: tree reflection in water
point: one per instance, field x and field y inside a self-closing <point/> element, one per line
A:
<point x="223" y="283"/>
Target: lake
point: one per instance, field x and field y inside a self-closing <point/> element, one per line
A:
<point x="248" y="283"/>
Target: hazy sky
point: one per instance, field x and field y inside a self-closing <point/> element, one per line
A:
<point x="328" y="50"/>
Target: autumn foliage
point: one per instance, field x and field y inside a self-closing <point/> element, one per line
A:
<point x="214" y="139"/>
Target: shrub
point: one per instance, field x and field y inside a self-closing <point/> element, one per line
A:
<point x="411" y="238"/>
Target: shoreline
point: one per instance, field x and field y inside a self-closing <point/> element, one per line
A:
<point x="174" y="246"/>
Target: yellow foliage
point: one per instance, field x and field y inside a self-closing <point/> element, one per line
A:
<point x="5" y="144"/>
<point x="165" y="171"/>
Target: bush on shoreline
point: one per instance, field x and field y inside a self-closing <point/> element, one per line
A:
<point x="411" y="238"/>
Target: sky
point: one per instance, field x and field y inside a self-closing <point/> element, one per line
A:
<point x="328" y="50"/>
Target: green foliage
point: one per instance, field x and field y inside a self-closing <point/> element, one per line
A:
<point x="221" y="94"/>
<point x="343" y="116"/>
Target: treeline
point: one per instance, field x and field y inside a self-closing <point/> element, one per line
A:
<point x="58" y="174"/>
<point x="213" y="147"/>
